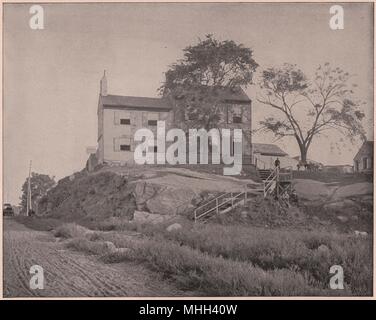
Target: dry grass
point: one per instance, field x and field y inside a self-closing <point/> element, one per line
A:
<point x="216" y="276"/>
<point x="280" y="249"/>
<point x="276" y="249"/>
<point x="39" y="223"/>
<point x="237" y="260"/>
<point x="70" y="230"/>
<point x="92" y="247"/>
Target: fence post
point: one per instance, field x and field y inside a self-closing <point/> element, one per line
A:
<point x="277" y="181"/>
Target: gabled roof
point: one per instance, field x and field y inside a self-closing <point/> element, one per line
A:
<point x="268" y="149"/>
<point x="230" y="95"/>
<point x="135" y="102"/>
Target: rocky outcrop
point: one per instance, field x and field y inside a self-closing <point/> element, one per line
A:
<point x="92" y="196"/>
<point x="165" y="200"/>
<point x="147" y="217"/>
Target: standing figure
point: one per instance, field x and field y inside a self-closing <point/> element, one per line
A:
<point x="277" y="163"/>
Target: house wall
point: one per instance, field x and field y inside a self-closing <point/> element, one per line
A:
<point x="110" y="131"/>
<point x="227" y="112"/>
<point x="363" y="161"/>
<point x="116" y="134"/>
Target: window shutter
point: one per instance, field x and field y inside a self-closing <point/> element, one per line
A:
<point x="144" y="119"/>
<point x="116" y="117"/>
<point x="116" y="144"/>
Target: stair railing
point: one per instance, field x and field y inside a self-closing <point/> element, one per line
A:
<point x="216" y="203"/>
<point x="269" y="181"/>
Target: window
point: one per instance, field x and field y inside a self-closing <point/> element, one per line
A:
<point x="122" y="117"/>
<point x="234" y="113"/>
<point x="153" y="118"/>
<point x="125" y="147"/>
<point x="122" y="144"/>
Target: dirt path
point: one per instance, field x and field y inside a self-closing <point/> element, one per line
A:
<point x="69" y="273"/>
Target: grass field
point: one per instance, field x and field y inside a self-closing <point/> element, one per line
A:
<point x="239" y="260"/>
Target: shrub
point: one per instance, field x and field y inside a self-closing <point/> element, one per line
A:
<point x="118" y="239"/>
<point x="39" y="223"/>
<point x="97" y="247"/>
<point x="283" y="249"/>
<point x="70" y="230"/>
<point x="217" y="276"/>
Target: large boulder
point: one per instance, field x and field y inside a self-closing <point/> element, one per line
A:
<point x="353" y="190"/>
<point x="312" y="190"/>
<point x="173" y="227"/>
<point x="163" y="200"/>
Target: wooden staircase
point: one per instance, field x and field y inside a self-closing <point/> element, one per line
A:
<point x="279" y="184"/>
<point x="221" y="204"/>
<point x="276" y="183"/>
<point x="264" y="173"/>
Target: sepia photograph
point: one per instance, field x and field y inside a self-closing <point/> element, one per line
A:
<point x="187" y="150"/>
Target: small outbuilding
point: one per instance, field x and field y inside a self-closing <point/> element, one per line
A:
<point x="265" y="154"/>
<point x="363" y="160"/>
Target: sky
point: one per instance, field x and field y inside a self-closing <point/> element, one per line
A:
<point x="51" y="76"/>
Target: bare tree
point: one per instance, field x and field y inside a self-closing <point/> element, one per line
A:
<point x="310" y="107"/>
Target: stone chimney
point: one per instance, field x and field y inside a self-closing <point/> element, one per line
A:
<point x="104" y="84"/>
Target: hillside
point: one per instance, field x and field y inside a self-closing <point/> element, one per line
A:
<point x="119" y="191"/>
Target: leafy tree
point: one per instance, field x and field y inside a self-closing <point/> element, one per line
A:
<point x="39" y="184"/>
<point x="199" y="80"/>
<point x="310" y="108"/>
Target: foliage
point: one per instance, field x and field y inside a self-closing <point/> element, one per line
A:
<point x="310" y="108"/>
<point x="199" y="80"/>
<point x="70" y="230"/>
<point x="40" y="184"/>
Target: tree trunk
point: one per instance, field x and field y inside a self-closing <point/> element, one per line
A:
<point x="303" y="154"/>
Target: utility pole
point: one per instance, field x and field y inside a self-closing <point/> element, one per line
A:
<point x="28" y="200"/>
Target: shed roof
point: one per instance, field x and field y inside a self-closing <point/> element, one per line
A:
<point x="268" y="149"/>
